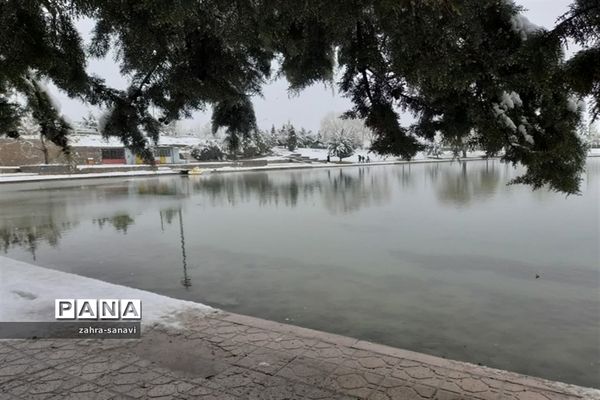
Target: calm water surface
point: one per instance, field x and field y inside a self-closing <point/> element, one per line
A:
<point x="436" y="258"/>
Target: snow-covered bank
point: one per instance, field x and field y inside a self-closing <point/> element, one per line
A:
<point x="21" y="177"/>
<point x="273" y="165"/>
<point x="28" y="293"/>
<point x="275" y="162"/>
<point x="321" y="155"/>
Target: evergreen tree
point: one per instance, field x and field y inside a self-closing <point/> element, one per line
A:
<point x="90" y="122"/>
<point x="341" y="145"/>
<point x="582" y="25"/>
<point x="238" y="116"/>
<point x="45" y="111"/>
<point x="319" y="142"/>
<point x="434" y="149"/>
<point x="292" y="138"/>
<point x="453" y="64"/>
<point x="209" y="151"/>
<point x="171" y="129"/>
<point x="256" y="145"/>
<point x="28" y="126"/>
<point x="273" y="136"/>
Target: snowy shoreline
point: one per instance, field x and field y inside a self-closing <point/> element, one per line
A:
<point x="28" y="293"/>
<point x="28" y="177"/>
<point x="174" y="170"/>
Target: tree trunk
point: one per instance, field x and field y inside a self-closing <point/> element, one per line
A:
<point x="44" y="149"/>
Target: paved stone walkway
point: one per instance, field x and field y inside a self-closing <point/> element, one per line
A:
<point x="227" y="356"/>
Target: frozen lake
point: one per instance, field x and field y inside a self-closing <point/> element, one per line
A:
<point x="436" y="258"/>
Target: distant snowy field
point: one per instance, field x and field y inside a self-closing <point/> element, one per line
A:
<point x="321" y="155"/>
<point x="28" y="293"/>
<point x="277" y="152"/>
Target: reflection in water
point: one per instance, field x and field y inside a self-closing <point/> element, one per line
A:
<point x="341" y="191"/>
<point x="185" y="281"/>
<point x="345" y="193"/>
<point x="120" y="222"/>
<point x="28" y="228"/>
<point x="172" y="187"/>
<point x="404" y="176"/>
<point x="167" y="215"/>
<point x="461" y="187"/>
<point x="438" y="258"/>
<point x="30" y="235"/>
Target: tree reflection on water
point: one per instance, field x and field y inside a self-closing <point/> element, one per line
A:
<point x="467" y="184"/>
<point x="43" y="216"/>
<point x="29" y="233"/>
<point x="120" y="222"/>
<point x="348" y="191"/>
<point x="342" y="191"/>
<point x="172" y="187"/>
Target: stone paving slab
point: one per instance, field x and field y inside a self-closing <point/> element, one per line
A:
<point x="229" y="356"/>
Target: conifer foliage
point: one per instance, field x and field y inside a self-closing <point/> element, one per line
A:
<point x="473" y="68"/>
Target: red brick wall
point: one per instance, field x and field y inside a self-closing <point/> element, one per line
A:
<point x="114" y="161"/>
<point x="26" y="152"/>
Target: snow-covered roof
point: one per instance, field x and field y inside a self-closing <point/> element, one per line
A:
<point x="179" y="141"/>
<point x="99" y="141"/>
<point x="82" y="130"/>
<point x="93" y="141"/>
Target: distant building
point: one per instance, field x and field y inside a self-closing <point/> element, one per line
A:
<point x="83" y="130"/>
<point x="88" y="147"/>
<point x="111" y="150"/>
<point x="113" y="155"/>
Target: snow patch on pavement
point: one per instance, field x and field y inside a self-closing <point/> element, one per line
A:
<point x="28" y="293"/>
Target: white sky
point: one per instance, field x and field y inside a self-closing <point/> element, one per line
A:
<point x="276" y="107"/>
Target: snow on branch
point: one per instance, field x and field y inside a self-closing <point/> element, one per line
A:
<point x="521" y="25"/>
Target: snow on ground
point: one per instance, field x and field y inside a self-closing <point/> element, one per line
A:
<point x="111" y="166"/>
<point x="28" y="293"/>
<point x="321" y="155"/>
<point x="20" y="177"/>
<point x="279" y="154"/>
<point x="17" y="174"/>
